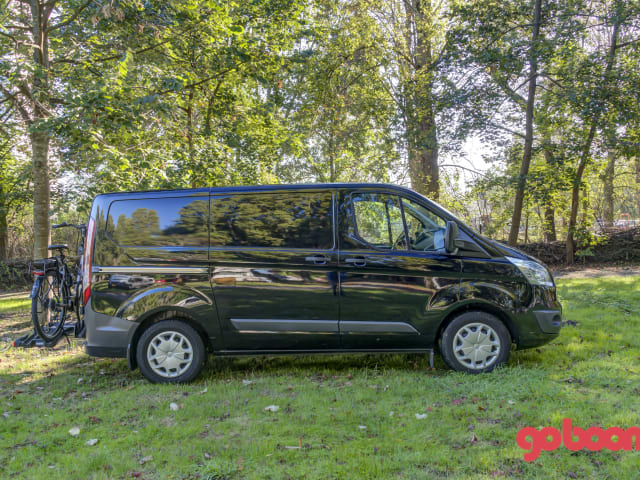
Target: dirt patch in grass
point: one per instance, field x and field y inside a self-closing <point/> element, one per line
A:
<point x="597" y="271"/>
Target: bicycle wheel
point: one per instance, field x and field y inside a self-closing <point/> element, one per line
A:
<point x="48" y="307"/>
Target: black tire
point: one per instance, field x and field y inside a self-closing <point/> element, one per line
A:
<point x="454" y="351"/>
<point x="48" y="307"/>
<point x="163" y="372"/>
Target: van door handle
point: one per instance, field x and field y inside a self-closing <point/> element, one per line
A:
<point x="317" y="260"/>
<point x="357" y="261"/>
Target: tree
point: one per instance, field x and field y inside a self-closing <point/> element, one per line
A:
<point x="413" y="35"/>
<point x="34" y="30"/>
<point x="502" y="48"/>
<point x="603" y="80"/>
<point x="342" y="120"/>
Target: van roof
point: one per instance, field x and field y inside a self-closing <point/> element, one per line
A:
<point x="253" y="188"/>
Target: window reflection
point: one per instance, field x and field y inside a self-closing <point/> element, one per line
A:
<point x="176" y="221"/>
<point x="287" y="220"/>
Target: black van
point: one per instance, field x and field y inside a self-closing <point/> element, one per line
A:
<point x="178" y="274"/>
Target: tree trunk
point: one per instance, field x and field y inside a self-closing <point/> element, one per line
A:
<point x="39" y="136"/>
<point x="40" y="162"/>
<point x="4" y="234"/>
<point x="422" y="137"/>
<point x="584" y="157"/>
<point x="528" y="138"/>
<point x="637" y="164"/>
<point x="549" y="223"/>
<point x="607" y="184"/>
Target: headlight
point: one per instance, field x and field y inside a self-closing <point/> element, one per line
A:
<point x="533" y="271"/>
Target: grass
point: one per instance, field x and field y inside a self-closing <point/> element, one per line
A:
<point x="221" y="431"/>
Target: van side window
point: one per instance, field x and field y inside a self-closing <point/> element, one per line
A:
<point x="426" y="229"/>
<point x="172" y="221"/>
<point x="378" y="220"/>
<point x="278" y="220"/>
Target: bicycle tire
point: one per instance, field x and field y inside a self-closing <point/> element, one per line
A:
<point x="48" y="307"/>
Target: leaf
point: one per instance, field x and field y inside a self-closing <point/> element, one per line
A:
<point x="74" y="431"/>
<point x="421" y="416"/>
<point x="92" y="441"/>
<point x="474" y="438"/>
<point x="146" y="459"/>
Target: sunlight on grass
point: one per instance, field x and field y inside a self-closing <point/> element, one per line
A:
<point x="14" y="302"/>
<point x="340" y="416"/>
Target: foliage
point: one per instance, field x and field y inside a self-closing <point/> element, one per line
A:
<point x="168" y="94"/>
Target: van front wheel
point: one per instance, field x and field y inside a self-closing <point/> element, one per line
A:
<point x="170" y="351"/>
<point x="475" y="342"/>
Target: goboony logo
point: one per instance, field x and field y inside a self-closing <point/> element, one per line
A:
<point x="593" y="438"/>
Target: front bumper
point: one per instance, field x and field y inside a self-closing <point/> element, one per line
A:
<point x="541" y="322"/>
<point x="549" y="321"/>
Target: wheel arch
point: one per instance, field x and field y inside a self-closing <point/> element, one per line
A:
<point x="478" y="307"/>
<point x="158" y="316"/>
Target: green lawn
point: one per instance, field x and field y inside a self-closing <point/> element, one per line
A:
<point x="339" y="416"/>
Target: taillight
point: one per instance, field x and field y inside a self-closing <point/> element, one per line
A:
<point x="86" y="261"/>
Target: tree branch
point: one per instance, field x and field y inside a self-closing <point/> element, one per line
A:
<point x="511" y="93"/>
<point x="14" y="99"/>
<point x="625" y="44"/>
<point x="205" y="80"/>
<point x="463" y="168"/>
<point x="71" y="18"/>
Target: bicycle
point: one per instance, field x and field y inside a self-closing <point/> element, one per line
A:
<point x="56" y="293"/>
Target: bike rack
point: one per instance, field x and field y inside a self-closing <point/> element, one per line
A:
<point x="31" y="340"/>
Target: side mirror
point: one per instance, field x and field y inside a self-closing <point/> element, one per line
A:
<point x="450" y="236"/>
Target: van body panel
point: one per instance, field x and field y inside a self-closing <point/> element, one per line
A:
<point x="402" y="289"/>
<point x="186" y="291"/>
<point x="266" y="288"/>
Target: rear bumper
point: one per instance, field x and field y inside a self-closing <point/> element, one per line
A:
<point x="107" y="336"/>
<point x="111" y="352"/>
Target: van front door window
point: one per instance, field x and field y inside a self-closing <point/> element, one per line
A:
<point x="378" y="220"/>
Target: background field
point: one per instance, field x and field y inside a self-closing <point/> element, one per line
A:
<point x="339" y="416"/>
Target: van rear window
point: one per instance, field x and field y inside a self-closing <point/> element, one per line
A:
<point x="284" y="220"/>
<point x="173" y="221"/>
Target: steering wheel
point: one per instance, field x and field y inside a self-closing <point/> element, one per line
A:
<point x="423" y="237"/>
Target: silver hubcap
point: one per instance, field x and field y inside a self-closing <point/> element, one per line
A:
<point x="170" y="354"/>
<point x="476" y="346"/>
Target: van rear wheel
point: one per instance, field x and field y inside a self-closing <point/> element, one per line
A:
<point x="475" y="342"/>
<point x="170" y="351"/>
